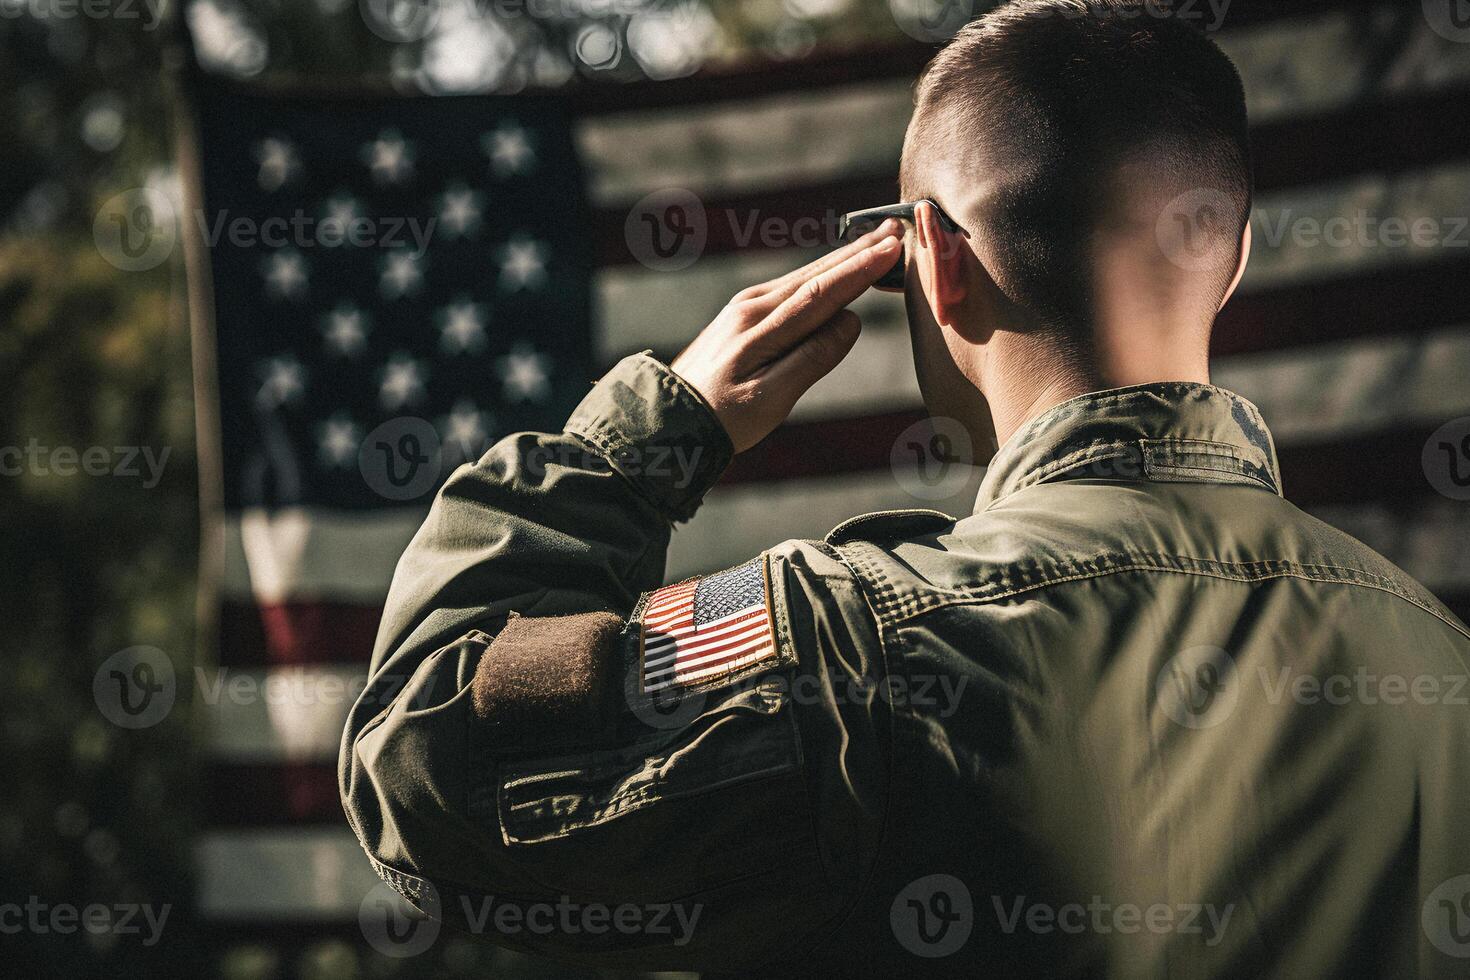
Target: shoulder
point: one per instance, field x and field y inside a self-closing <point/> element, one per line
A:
<point x="889" y="525"/>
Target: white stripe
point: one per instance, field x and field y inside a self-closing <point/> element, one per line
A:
<point x="282" y="875"/>
<point x="686" y="652"/>
<point x="682" y="668"/>
<point x="764" y="515"/>
<point x="276" y="714"/>
<point x="775" y="141"/>
<point x="744" y="661"/>
<point x="313" y="552"/>
<point x="670" y="608"/>
<point x="1431" y="541"/>
<point x="680" y="631"/>
<point x="664" y="606"/>
<point x="1336" y="390"/>
<point x="671" y="648"/>
<point x="1294" y="237"/>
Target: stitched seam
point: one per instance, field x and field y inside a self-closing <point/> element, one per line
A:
<point x="1092" y="454"/>
<point x="607" y="449"/>
<point x="852" y="562"/>
<point x="1299" y="572"/>
<point x="1135" y="390"/>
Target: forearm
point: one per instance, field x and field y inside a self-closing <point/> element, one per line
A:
<point x="548" y="524"/>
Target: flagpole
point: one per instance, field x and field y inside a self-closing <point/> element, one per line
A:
<point x="180" y="72"/>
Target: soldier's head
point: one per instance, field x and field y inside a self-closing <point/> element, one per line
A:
<point x="1096" y="155"/>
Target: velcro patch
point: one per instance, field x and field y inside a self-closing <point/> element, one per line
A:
<point x="704" y="628"/>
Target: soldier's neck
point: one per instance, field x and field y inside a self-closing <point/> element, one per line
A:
<point x="1028" y="374"/>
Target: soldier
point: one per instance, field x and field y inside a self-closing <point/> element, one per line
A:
<point x="1062" y="735"/>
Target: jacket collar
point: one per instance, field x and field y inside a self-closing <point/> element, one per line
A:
<point x="1165" y="432"/>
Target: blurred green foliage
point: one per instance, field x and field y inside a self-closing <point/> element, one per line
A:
<point x="95" y="357"/>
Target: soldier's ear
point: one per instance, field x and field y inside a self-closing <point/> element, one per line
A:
<point x="550" y="681"/>
<point x="941" y="258"/>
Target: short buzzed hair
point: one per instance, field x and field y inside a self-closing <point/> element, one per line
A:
<point x="1048" y="104"/>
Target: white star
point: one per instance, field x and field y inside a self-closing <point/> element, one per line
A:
<point x="278" y="162"/>
<point x="390" y="158"/>
<point x="337" y="441"/>
<point x="462" y="327"/>
<point x="402" y="275"/>
<point x="523" y="373"/>
<point x="459" y="211"/>
<point x="466" y="428"/>
<point x="285" y="274"/>
<point x="509" y="149"/>
<point x="342" y="211"/>
<point x="346" y="330"/>
<point x="285" y="380"/>
<point x="523" y="264"/>
<point x="402" y="382"/>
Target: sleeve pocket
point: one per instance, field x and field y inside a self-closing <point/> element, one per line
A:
<point x="673" y="812"/>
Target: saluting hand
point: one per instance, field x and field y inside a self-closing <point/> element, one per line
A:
<point x="775" y="340"/>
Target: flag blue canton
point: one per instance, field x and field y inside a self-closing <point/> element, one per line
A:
<point x="380" y="259"/>
<point x="729" y="592"/>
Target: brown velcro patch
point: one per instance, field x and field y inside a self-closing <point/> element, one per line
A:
<point x="550" y="681"/>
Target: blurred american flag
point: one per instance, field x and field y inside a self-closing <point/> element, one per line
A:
<point x="1356" y="352"/>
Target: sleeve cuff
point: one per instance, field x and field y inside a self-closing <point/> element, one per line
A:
<point x="657" y="432"/>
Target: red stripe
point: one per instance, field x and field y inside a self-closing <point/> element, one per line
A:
<point x="1382" y="467"/>
<point x="712" y="668"/>
<point x="261" y="795"/>
<point x="684" y="657"/>
<point x="688" y="647"/>
<point x="670" y="605"/>
<point x="302" y="631"/>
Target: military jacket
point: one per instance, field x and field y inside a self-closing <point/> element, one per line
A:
<point x="1136" y="715"/>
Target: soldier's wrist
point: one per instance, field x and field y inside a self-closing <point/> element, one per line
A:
<point x="656" y="431"/>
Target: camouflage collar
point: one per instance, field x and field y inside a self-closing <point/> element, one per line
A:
<point x="1173" y="431"/>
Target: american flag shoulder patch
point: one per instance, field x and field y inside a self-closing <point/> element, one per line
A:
<point x="704" y="628"/>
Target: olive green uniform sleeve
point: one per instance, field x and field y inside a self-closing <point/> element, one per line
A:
<point x="545" y="524"/>
<point x="712" y="827"/>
